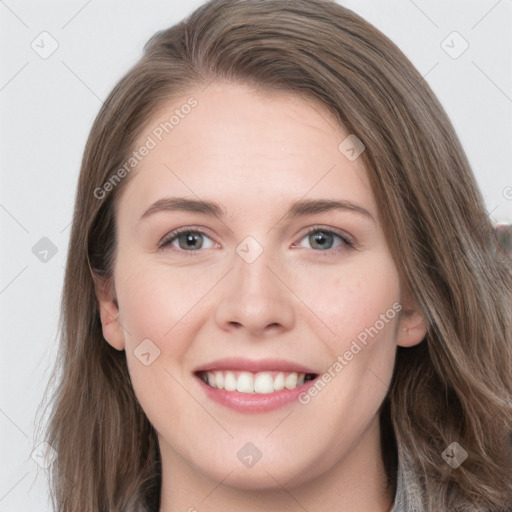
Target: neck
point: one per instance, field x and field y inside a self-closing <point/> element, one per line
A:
<point x="357" y="482"/>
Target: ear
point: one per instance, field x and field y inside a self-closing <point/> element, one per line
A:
<point x="412" y="326"/>
<point x="109" y="312"/>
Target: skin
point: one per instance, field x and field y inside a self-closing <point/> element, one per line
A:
<point x="254" y="153"/>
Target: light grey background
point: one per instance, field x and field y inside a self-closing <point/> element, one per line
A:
<point x="47" y="109"/>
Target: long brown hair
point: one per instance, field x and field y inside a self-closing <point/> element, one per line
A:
<point x="453" y="387"/>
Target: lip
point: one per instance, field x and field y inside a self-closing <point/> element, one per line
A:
<point x="254" y="402"/>
<point x="254" y="366"/>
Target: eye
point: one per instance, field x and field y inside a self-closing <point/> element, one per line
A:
<point x="325" y="239"/>
<point x="187" y="239"/>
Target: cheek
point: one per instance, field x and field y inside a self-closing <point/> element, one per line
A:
<point x="353" y="302"/>
<point x="156" y="308"/>
<point x="163" y="305"/>
<point x="155" y="299"/>
<point x="363" y="308"/>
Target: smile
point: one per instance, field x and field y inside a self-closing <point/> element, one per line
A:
<point x="248" y="382"/>
<point x="254" y="386"/>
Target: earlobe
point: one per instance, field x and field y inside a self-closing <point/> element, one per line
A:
<point x="412" y="327"/>
<point x="109" y="312"/>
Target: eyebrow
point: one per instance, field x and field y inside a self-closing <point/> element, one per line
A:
<point x="300" y="208"/>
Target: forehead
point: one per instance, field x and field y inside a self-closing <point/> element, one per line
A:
<point x="244" y="147"/>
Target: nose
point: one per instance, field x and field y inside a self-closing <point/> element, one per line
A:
<point x="255" y="297"/>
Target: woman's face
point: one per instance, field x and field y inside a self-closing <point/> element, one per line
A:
<point x="264" y="290"/>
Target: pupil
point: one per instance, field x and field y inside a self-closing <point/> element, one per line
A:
<point x="320" y="237"/>
<point x="190" y="239"/>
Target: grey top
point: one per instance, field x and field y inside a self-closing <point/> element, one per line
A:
<point x="409" y="492"/>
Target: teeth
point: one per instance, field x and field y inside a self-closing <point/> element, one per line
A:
<point x="291" y="381"/>
<point x="247" y="382"/>
<point x="279" y="382"/>
<point x="264" y="383"/>
<point x="229" y="381"/>
<point x="219" y="380"/>
<point x="211" y="380"/>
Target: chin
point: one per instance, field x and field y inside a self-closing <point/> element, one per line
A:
<point x="264" y="475"/>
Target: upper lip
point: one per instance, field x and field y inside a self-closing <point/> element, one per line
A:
<point x="254" y="365"/>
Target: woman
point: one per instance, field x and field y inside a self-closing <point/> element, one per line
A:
<point x="282" y="290"/>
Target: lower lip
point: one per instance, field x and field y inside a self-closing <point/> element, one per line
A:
<point x="254" y="402"/>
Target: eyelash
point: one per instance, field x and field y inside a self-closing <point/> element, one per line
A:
<point x="347" y="242"/>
